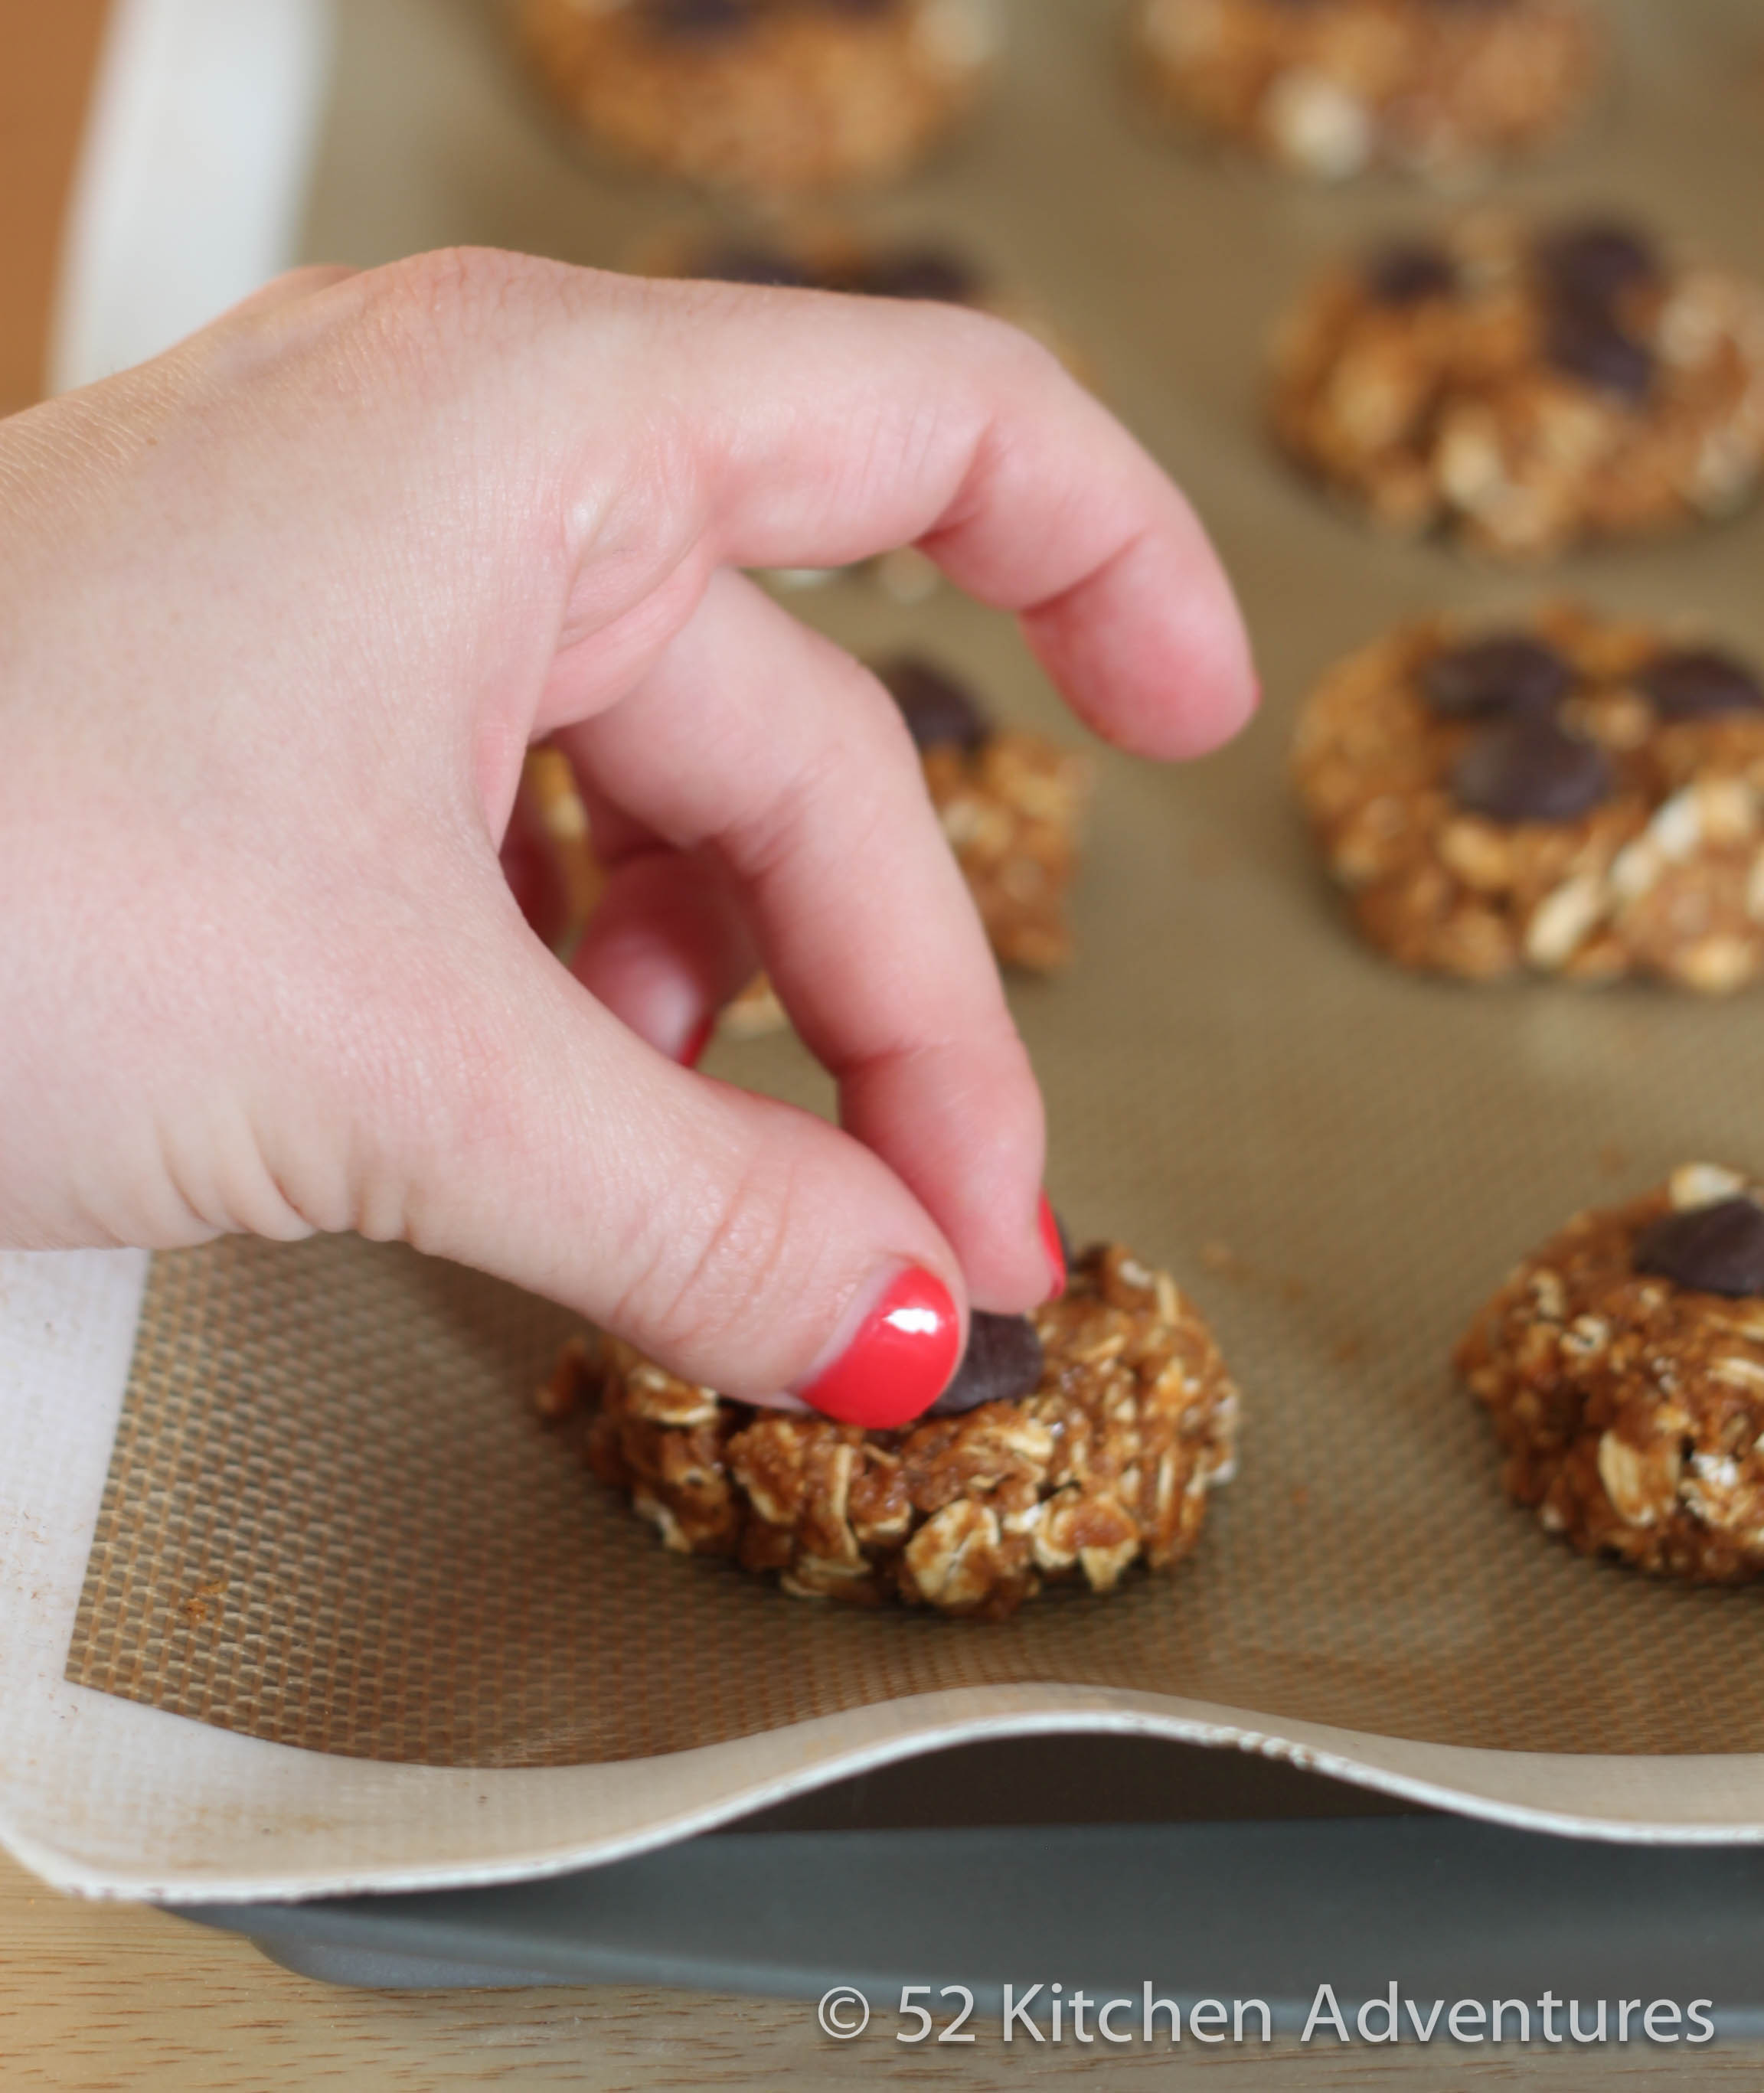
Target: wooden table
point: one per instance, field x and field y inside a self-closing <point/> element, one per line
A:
<point x="107" y="1995"/>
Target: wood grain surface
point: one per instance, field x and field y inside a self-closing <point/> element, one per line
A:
<point x="99" y="1996"/>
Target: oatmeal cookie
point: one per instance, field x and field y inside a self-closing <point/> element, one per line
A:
<point x="1071" y="1445"/>
<point x="767" y="96"/>
<point x="1013" y="805"/>
<point x="1522" y="390"/>
<point x="831" y="259"/>
<point x="1331" y="88"/>
<point x="1623" y="1365"/>
<point x="1573" y="797"/>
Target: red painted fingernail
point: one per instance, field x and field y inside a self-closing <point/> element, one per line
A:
<point x="693" y="1052"/>
<point x="1055" y="1250"/>
<point x="900" y="1362"/>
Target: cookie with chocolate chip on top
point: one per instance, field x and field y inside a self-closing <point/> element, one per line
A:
<point x="1569" y="796"/>
<point x="1522" y="389"/>
<point x="767" y="97"/>
<point x="1622" y="1367"/>
<point x="822" y="256"/>
<point x="1012" y="805"/>
<point x="1329" y="89"/>
<point x="1072" y="1446"/>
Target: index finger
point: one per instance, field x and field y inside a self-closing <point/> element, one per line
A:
<point x="814" y="430"/>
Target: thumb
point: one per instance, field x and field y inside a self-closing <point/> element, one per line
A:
<point x="740" y="1242"/>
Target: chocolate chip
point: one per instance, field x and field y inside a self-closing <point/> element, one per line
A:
<point x="1710" y="1249"/>
<point x="939" y="712"/>
<point x="920" y="272"/>
<point x="1530" y="770"/>
<point x="1586" y="343"/>
<point x="1593" y="265"/>
<point x="768" y="266"/>
<point x="1003" y="1361"/>
<point x="1504" y="676"/>
<point x="1691" y="682"/>
<point x="1411" y="273"/>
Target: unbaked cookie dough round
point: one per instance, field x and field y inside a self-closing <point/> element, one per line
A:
<point x="1330" y="88"/>
<point x="1523" y="389"/>
<point x="1072" y="1445"/>
<point x="769" y="95"/>
<point x="826" y="257"/>
<point x="1623" y="1365"/>
<point x="1570" y="796"/>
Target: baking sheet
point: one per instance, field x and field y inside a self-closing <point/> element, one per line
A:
<point x="331" y="1523"/>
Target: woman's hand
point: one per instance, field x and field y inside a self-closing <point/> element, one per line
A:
<point x="279" y="614"/>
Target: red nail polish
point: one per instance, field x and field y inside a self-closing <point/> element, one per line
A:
<point x="696" y="1041"/>
<point x="1055" y="1250"/>
<point x="900" y="1363"/>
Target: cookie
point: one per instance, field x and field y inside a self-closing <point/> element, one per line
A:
<point x="1072" y="1445"/>
<point x="770" y="96"/>
<point x="1623" y="1365"/>
<point x="1572" y="797"/>
<point x="1520" y="390"/>
<point x="1331" y="88"/>
<point x="832" y="259"/>
<point x="1012" y="805"/>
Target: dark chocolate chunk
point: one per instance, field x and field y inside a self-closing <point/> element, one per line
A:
<point x="1507" y="675"/>
<point x="754" y="264"/>
<point x="1585" y="342"/>
<point x="920" y="272"/>
<point x="1530" y="770"/>
<point x="696" y="19"/>
<point x="1411" y="273"/>
<point x="1691" y="682"/>
<point x="1710" y="1249"/>
<point x="939" y="712"/>
<point x="1594" y="265"/>
<point x="1003" y="1361"/>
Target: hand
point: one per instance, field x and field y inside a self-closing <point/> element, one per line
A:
<point x="280" y="613"/>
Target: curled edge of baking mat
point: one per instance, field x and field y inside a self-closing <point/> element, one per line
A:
<point x="600" y="1817"/>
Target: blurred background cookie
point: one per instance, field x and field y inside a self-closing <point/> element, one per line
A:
<point x="1570" y="797"/>
<point x="825" y="258"/>
<point x="1520" y="389"/>
<point x="1072" y="1444"/>
<point x="774" y="97"/>
<point x="1331" y="88"/>
<point x="1623" y="1366"/>
<point x="1012" y="805"/>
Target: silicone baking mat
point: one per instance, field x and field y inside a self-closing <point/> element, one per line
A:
<point x="331" y="1520"/>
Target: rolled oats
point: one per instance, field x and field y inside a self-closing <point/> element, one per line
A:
<point x="1106" y="1464"/>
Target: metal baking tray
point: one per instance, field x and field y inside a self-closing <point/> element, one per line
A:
<point x="1263" y="1883"/>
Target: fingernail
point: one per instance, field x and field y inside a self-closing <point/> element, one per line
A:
<point x="1054" y="1246"/>
<point x="696" y="1041"/>
<point x="902" y="1357"/>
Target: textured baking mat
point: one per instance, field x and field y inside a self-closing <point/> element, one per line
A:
<point x="331" y="1520"/>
